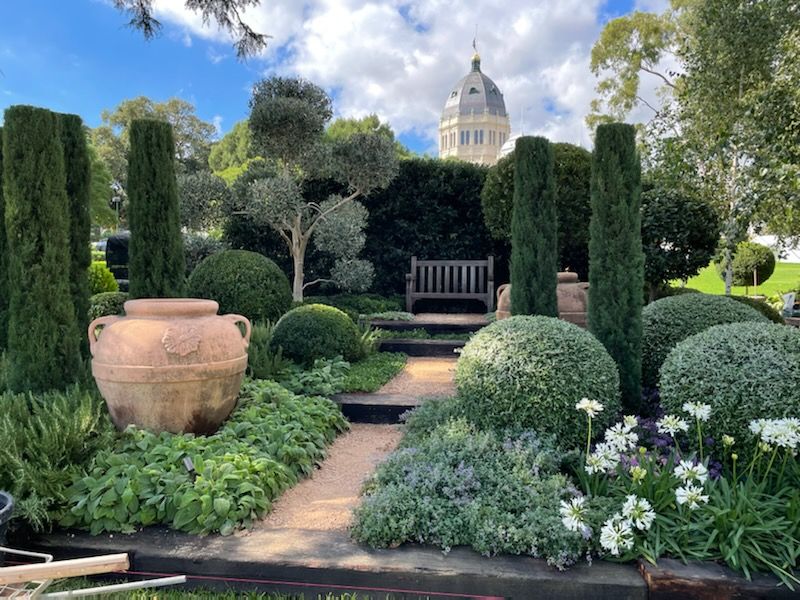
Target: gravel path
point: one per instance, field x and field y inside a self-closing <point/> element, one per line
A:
<point x="424" y="376"/>
<point x="325" y="501"/>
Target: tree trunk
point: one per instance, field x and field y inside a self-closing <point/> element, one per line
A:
<point x="728" y="271"/>
<point x="297" y="283"/>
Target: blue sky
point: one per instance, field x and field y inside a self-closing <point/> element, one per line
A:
<point x="84" y="59"/>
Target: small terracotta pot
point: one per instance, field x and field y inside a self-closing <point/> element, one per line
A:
<point x="169" y="364"/>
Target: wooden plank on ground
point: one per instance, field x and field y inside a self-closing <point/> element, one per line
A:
<point x="58" y="569"/>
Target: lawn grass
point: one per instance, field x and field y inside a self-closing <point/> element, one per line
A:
<point x="180" y="593"/>
<point x="370" y="374"/>
<point x="420" y="334"/>
<point x="786" y="277"/>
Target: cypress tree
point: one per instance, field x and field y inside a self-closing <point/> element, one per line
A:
<point x="4" y="291"/>
<point x="616" y="260"/>
<point x="43" y="338"/>
<point x="534" y="225"/>
<point x="156" y="268"/>
<point x="78" y="176"/>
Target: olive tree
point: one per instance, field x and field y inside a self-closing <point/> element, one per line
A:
<point x="287" y="122"/>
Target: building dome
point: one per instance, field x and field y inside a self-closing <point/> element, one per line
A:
<point x="475" y="93"/>
<point x="508" y="147"/>
<point x="474" y="124"/>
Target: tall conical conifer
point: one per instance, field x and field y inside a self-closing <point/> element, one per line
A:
<point x="616" y="260"/>
<point x="534" y="226"/>
<point x="156" y="268"/>
<point x="77" y="168"/>
<point x="4" y="291"/>
<point x="43" y="338"/>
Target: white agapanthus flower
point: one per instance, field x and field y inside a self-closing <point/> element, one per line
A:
<point x="573" y="514"/>
<point x="783" y="433"/>
<point x="590" y="407"/>
<point x="671" y="424"/>
<point x="691" y="495"/>
<point x="616" y="534"/>
<point x="604" y="458"/>
<point x="629" y="421"/>
<point x="689" y="471"/>
<point x="621" y="437"/>
<point x="639" y="512"/>
<point x="699" y="410"/>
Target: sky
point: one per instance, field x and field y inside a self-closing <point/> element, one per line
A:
<point x="396" y="58"/>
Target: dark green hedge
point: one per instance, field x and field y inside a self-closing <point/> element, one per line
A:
<point x="432" y="209"/>
<point x="156" y="248"/>
<point x="4" y="291"/>
<point x="43" y="337"/>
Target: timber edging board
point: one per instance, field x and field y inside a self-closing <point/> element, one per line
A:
<point x="299" y="561"/>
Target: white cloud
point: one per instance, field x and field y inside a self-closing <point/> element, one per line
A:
<point x="399" y="58"/>
<point x="216" y="121"/>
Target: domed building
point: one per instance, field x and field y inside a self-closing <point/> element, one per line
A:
<point x="474" y="124"/>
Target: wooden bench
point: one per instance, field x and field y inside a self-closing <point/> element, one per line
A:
<point x="450" y="280"/>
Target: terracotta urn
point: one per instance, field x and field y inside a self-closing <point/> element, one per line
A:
<point x="169" y="364"/>
<point x="571" y="294"/>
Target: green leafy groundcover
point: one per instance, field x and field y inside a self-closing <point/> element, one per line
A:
<point x="452" y="484"/>
<point x="369" y="374"/>
<point x="273" y="438"/>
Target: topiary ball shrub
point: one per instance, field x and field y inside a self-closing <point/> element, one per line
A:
<point x="529" y="372"/>
<point x="668" y="321"/>
<point x="107" y="303"/>
<point x="244" y="283"/>
<point x="101" y="279"/>
<point x="745" y="371"/>
<point x="314" y="331"/>
<point x="761" y="306"/>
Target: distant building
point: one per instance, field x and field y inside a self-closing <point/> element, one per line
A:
<point x="474" y="124"/>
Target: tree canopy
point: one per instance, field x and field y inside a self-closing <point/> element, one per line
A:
<point x="342" y="128"/>
<point x="287" y="122"/>
<point x="193" y="136"/>
<point x="723" y="123"/>
<point x="227" y="14"/>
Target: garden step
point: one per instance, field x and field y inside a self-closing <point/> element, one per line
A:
<point x="375" y="408"/>
<point x="413" y="347"/>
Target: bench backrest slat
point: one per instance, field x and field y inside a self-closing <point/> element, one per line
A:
<point x="469" y="279"/>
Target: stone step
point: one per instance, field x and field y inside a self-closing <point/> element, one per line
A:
<point x="413" y="347"/>
<point x="429" y="326"/>
<point x="375" y="408"/>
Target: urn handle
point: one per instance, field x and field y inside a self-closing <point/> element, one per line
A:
<point x="98" y="322"/>
<point x="248" y="328"/>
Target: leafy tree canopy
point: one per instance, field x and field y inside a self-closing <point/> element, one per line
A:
<point x="192" y="134"/>
<point x="227" y="14"/>
<point x="343" y="128"/>
<point x="235" y="149"/>
<point x="287" y="121"/>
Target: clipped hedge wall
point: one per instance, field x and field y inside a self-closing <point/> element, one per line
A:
<point x="244" y="283"/>
<point x="314" y="331"/>
<point x="529" y="372"/>
<point x="107" y="303"/>
<point x="745" y="371"/>
<point x="670" y="320"/>
<point x="432" y="209"/>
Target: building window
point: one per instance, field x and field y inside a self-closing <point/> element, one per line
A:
<point x="481" y="142"/>
<point x="462" y="138"/>
<point x="466" y="136"/>
<point x="473" y="90"/>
